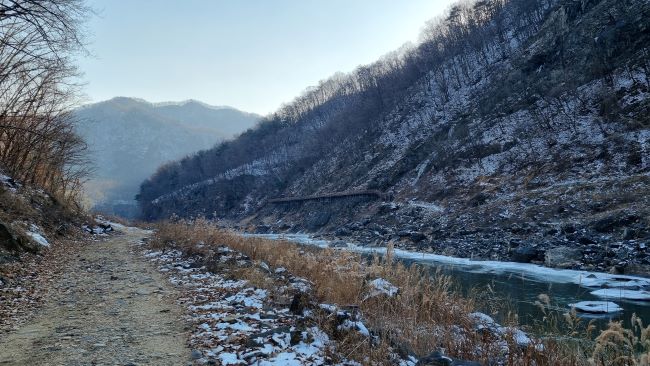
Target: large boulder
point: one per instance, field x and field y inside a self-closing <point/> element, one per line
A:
<point x="417" y="237"/>
<point x="562" y="257"/>
<point x="527" y="254"/>
<point x="262" y="229"/>
<point x="317" y="220"/>
<point x="614" y="222"/>
<point x="8" y="240"/>
<point x="437" y="358"/>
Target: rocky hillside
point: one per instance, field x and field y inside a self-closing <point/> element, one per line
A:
<point x="130" y="138"/>
<point x="31" y="219"/>
<point x="517" y="130"/>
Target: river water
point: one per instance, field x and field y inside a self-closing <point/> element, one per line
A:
<point x="514" y="286"/>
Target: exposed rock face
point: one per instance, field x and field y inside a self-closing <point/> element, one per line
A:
<point x="539" y="137"/>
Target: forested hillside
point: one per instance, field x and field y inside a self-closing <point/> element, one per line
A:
<point x="515" y="127"/>
<point x="130" y="138"/>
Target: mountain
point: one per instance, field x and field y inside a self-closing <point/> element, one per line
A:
<point x="516" y="130"/>
<point x="130" y="138"/>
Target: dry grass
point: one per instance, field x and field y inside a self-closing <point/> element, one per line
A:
<point x="427" y="314"/>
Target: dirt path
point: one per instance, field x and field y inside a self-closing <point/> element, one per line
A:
<point x="111" y="307"/>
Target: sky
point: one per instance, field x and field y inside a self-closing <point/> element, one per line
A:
<point x="253" y="55"/>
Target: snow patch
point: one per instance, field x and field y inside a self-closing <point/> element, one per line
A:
<point x="621" y="293"/>
<point x="37" y="235"/>
<point x="596" y="307"/>
<point x="381" y="286"/>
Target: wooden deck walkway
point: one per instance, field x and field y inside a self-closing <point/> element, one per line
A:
<point x="327" y="196"/>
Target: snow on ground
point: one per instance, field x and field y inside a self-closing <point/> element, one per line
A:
<point x="37" y="235"/>
<point x="238" y="324"/>
<point x="485" y="322"/>
<point x="427" y="206"/>
<point x="9" y="182"/>
<point x="381" y="286"/>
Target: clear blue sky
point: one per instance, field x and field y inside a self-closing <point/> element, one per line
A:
<point x="249" y="54"/>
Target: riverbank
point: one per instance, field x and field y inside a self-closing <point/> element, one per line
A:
<point x="417" y="311"/>
<point x="600" y="224"/>
<point x="519" y="284"/>
<point x="588" y="279"/>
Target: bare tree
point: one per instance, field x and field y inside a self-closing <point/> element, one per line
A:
<point x="38" y="39"/>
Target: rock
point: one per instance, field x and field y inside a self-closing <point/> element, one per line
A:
<point x="296" y="337"/>
<point x="196" y="354"/>
<point x="519" y="230"/>
<point x="376" y="227"/>
<point x="387" y="208"/>
<point x="527" y="254"/>
<point x="265" y="267"/>
<point x="342" y="232"/>
<point x="299" y="303"/>
<point x="568" y="229"/>
<point x="551" y="232"/>
<point x="437" y="358"/>
<point x="613" y="222"/>
<point x="478" y="199"/>
<point x="585" y="240"/>
<point x="417" y="237"/>
<point x="262" y="229"/>
<point x="562" y="257"/>
<point x="7" y="239"/>
<point x="628" y="234"/>
<point x="107" y="228"/>
<point x="379" y="287"/>
<point x="317" y="220"/>
<point x="252" y="339"/>
<point x="618" y="268"/>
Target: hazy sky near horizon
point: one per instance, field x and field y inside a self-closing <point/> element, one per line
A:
<point x="250" y="54"/>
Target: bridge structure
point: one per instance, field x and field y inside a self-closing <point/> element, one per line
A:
<point x="330" y="196"/>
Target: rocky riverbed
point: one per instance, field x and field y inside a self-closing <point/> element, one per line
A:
<point x="598" y="223"/>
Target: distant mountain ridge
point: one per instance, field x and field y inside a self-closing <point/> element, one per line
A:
<point x="129" y="138"/>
